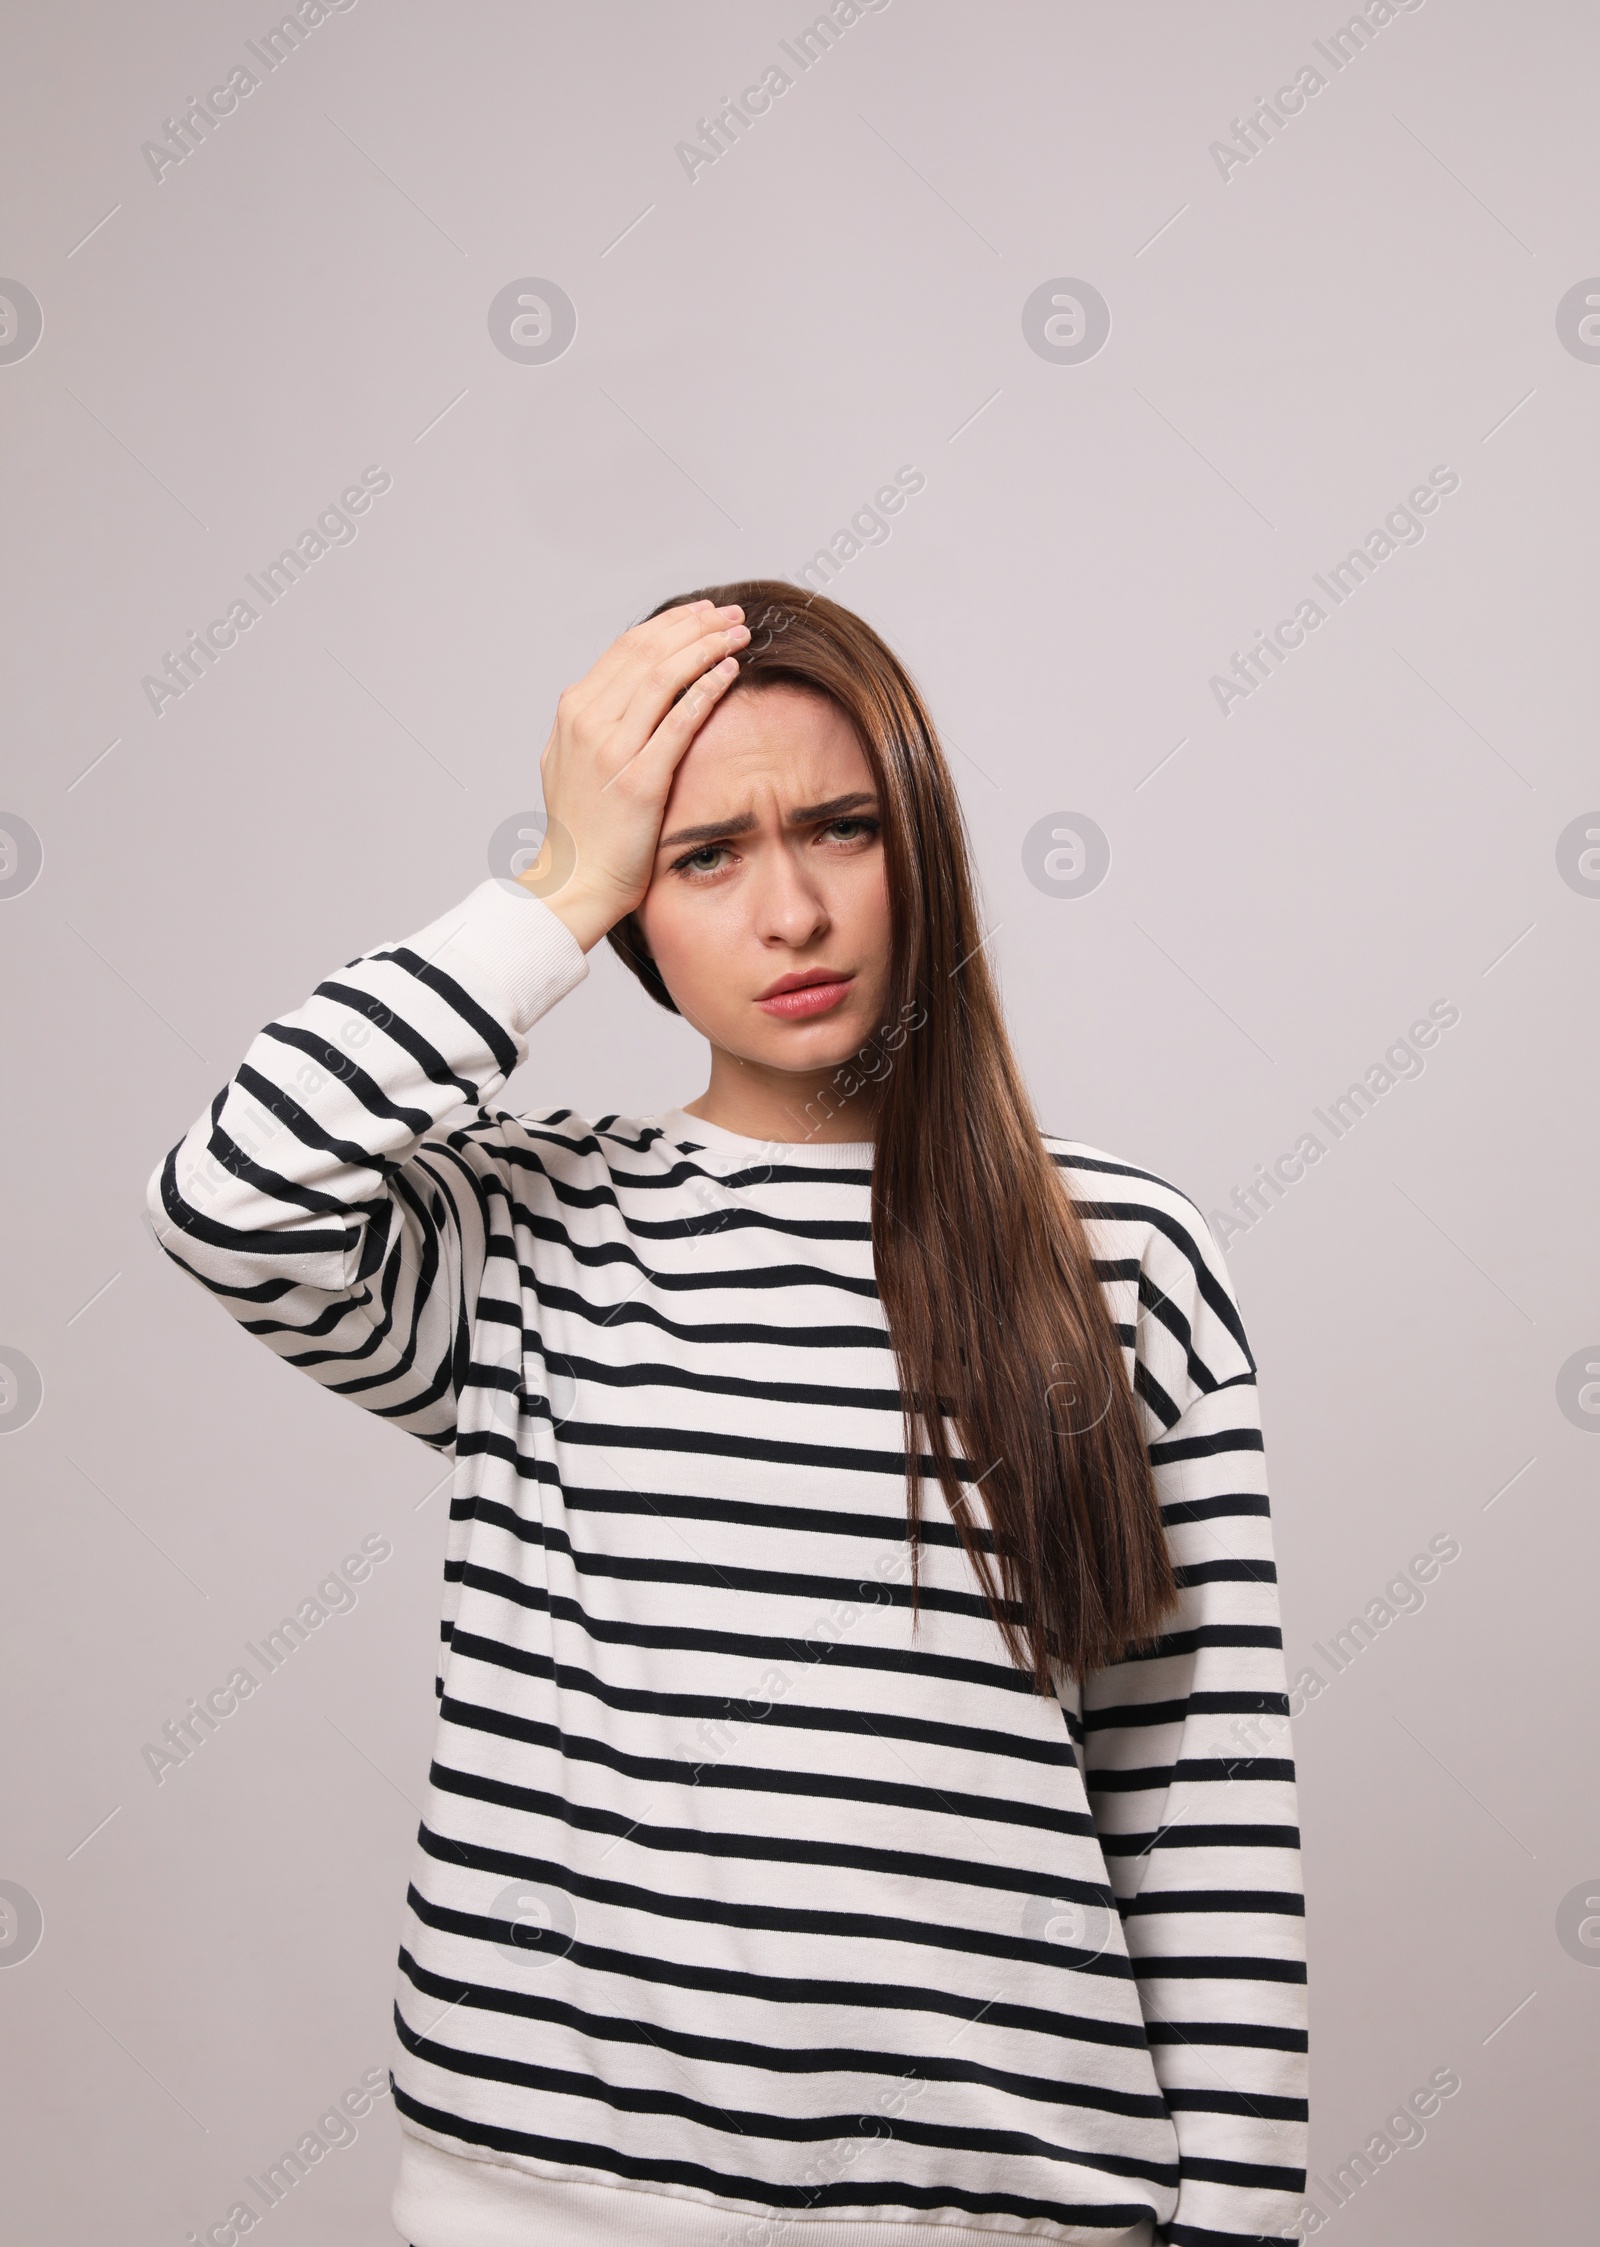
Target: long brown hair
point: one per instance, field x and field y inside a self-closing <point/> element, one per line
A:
<point x="997" y="1319"/>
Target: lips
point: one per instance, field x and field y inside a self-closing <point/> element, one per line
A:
<point x="793" y="998"/>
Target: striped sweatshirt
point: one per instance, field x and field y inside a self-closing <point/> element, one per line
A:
<point x="747" y="1910"/>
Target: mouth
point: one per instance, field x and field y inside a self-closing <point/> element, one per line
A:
<point x="794" y="998"/>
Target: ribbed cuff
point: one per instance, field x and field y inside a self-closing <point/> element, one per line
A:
<point x="508" y="949"/>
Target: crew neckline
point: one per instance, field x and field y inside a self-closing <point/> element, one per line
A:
<point x="821" y="1154"/>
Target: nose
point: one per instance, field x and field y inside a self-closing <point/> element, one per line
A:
<point x="790" y="908"/>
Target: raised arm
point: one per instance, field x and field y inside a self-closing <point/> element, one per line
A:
<point x="1191" y="1779"/>
<point x="321" y="1197"/>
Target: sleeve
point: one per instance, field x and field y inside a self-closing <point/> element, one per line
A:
<point x="317" y="1197"/>
<point x="1191" y="1779"/>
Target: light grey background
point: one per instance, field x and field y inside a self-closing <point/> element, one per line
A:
<point x="1293" y="347"/>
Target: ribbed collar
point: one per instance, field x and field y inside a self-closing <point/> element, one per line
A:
<point x="736" y="1147"/>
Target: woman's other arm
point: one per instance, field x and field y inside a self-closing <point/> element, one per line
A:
<point x="1191" y="1778"/>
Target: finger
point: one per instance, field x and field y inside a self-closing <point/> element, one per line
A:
<point x="668" y="662"/>
<point x="659" y="685"/>
<point x="661" y="754"/>
<point x="672" y="625"/>
<point x="653" y="764"/>
<point x="609" y="685"/>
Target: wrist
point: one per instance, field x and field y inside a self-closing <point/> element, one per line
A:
<point x="586" y="916"/>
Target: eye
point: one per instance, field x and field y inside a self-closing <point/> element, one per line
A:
<point x="698" y="864"/>
<point x="852" y="830"/>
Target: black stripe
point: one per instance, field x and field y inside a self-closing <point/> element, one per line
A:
<point x="771" y="1849"/>
<point x="747" y="1513"/>
<point x="492" y="1034"/>
<point x="1204" y="1768"/>
<point x="1288" y="1903"/>
<point x="742" y="1778"/>
<point x="653" y="1374"/>
<point x="775" y="2059"/>
<point x="1184" y="1835"/>
<point x="769" y="1583"/>
<point x="776" y="2129"/>
<point x="1206" y="1447"/>
<point x="1259" y="2036"/>
<point x="1213" y="1969"/>
<point x="966" y="1739"/>
<point x="632" y="1311"/>
<point x="871" y="1928"/>
<point x="1135" y="1713"/>
<point x="668" y="1637"/>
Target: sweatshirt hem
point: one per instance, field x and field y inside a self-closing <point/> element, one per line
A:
<point x="450" y="2198"/>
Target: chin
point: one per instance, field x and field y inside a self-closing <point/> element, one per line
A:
<point x="807" y="1055"/>
<point x="826" y="1044"/>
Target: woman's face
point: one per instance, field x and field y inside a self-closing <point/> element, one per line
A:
<point x="768" y="911"/>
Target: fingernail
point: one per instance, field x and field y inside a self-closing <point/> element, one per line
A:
<point x="733" y="610"/>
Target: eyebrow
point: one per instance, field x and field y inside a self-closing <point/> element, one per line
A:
<point x="805" y="815"/>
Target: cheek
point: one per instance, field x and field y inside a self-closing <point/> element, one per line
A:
<point x="689" y="947"/>
<point x="862" y="889"/>
<point x="857" y="892"/>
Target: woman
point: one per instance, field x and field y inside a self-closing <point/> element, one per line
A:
<point x="861" y="1808"/>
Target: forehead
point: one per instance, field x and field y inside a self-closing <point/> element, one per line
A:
<point x="788" y="741"/>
